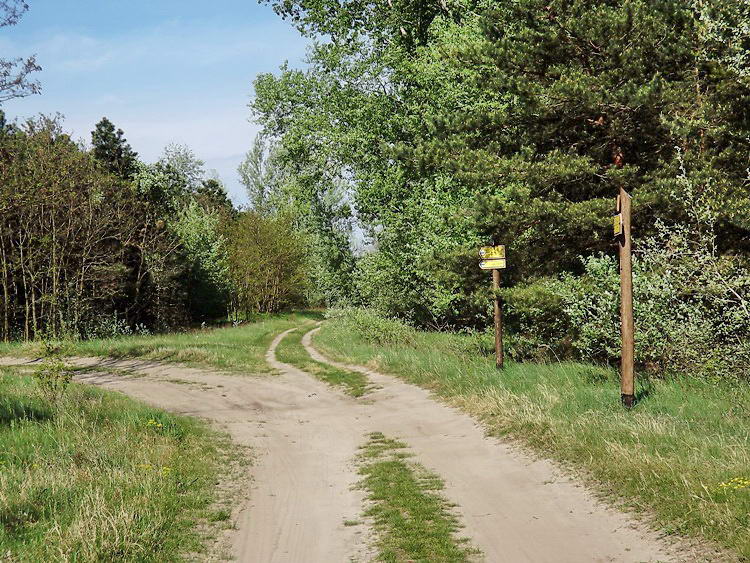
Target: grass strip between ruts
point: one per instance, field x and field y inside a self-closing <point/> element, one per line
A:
<point x="291" y="351"/>
<point x="413" y="522"/>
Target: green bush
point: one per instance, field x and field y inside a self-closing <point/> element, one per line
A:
<point x="691" y="309"/>
<point x="373" y="328"/>
<point x="535" y="321"/>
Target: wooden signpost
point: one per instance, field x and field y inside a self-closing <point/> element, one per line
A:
<point x="622" y="232"/>
<point x="493" y="258"/>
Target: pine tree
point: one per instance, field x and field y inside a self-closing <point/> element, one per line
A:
<point x="580" y="97"/>
<point x="112" y="149"/>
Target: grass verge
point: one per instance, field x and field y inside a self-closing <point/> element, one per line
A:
<point x="291" y="351"/>
<point x="682" y="456"/>
<point x="413" y="522"/>
<point x="240" y="348"/>
<point x="99" y="477"/>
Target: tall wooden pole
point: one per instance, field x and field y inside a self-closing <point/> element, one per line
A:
<point x="627" y="377"/>
<point x="498" y="321"/>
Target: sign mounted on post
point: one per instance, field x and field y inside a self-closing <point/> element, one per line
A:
<point x="492" y="252"/>
<point x="493" y="257"/>
<point x="617" y="220"/>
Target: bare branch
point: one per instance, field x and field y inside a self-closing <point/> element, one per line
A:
<point x="14" y="78"/>
<point x="11" y="11"/>
<point x="14" y="73"/>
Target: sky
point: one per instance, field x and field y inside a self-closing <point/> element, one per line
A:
<point x="164" y="71"/>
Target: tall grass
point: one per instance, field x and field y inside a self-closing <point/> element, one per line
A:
<point x="99" y="477"/>
<point x="240" y="348"/>
<point x="670" y="457"/>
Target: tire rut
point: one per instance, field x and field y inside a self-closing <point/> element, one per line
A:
<point x="306" y="434"/>
<point x="515" y="508"/>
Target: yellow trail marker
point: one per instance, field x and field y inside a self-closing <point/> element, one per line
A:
<point x="617" y="220"/>
<point x="493" y="258"/>
<point x="494" y="264"/>
<point x="492" y="252"/>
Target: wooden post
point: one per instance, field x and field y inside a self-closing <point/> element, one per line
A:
<point x="498" y="321"/>
<point x="627" y="377"/>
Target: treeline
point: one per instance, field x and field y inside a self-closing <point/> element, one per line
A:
<point x="94" y="242"/>
<point x="436" y="127"/>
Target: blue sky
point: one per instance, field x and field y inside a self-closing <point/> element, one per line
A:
<point x="162" y="70"/>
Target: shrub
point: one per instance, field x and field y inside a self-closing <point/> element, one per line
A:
<point x="535" y="321"/>
<point x="53" y="375"/>
<point x="691" y="309"/>
<point x="374" y="328"/>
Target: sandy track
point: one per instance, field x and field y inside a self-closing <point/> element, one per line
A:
<point x="516" y="509"/>
<point x="306" y="434"/>
<point x="303" y="440"/>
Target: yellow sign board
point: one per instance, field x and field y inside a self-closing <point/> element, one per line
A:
<point x="618" y="224"/>
<point x="493" y="264"/>
<point x="492" y="252"/>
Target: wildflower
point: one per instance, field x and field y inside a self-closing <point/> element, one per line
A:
<point x="736" y="484"/>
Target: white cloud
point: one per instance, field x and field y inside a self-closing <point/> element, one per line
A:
<point x="168" y="45"/>
<point x="173" y="82"/>
<point x="220" y="137"/>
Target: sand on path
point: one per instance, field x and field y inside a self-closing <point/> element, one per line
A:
<point x="305" y="436"/>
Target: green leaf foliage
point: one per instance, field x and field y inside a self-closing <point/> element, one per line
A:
<point x="452" y="124"/>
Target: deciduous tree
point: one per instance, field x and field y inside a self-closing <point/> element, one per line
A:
<point x="267" y="262"/>
<point x="15" y="73"/>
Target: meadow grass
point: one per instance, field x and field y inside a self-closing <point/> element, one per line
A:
<point x="238" y="348"/>
<point x="290" y="351"/>
<point x="100" y="477"/>
<point x="673" y="457"/>
<point x="413" y="522"/>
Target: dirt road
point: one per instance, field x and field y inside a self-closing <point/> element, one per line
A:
<point x="305" y="435"/>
